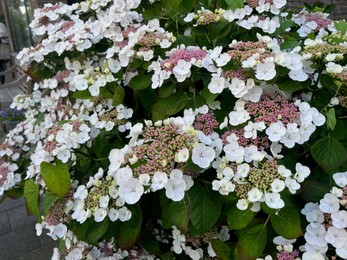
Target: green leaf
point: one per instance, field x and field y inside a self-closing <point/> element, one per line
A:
<point x="148" y="97"/>
<point x="14" y="193"/>
<point x="166" y="90"/>
<point x="340" y="130"/>
<point x="129" y="231"/>
<point x="171" y="105"/>
<point x="289" y="85"/>
<point x="186" y="40"/>
<point x="149" y="242"/>
<point x="286" y="222"/>
<point x="329" y="153"/>
<point x="331" y="119"/>
<point x="341" y="26"/>
<point x="96" y="230"/>
<point x="83" y="94"/>
<point x="252" y="240"/>
<point x="239" y="219"/>
<point x="207" y="95"/>
<point x="330" y="8"/>
<point x="222" y="250"/>
<point x="56" y="177"/>
<point x="235" y="4"/>
<point x="140" y="82"/>
<point x="176" y="9"/>
<point x="206" y="207"/>
<point x="118" y="95"/>
<point x="289" y="44"/>
<point x="48" y="201"/>
<point x="31" y="195"/>
<point x="329" y="82"/>
<point x="314" y="191"/>
<point x="176" y="214"/>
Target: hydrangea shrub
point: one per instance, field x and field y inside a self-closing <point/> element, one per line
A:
<point x="184" y="130"/>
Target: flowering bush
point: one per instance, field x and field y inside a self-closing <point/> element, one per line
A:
<point x="184" y="129"/>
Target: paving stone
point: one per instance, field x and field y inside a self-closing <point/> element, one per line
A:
<point x="11" y="204"/>
<point x="45" y="239"/>
<point x="42" y="253"/>
<point x="5" y="226"/>
<point x="16" y="244"/>
<point x="19" y="217"/>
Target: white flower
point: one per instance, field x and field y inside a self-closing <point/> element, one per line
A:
<point x="79" y="82"/>
<point x="116" y="157"/>
<point x="302" y="172"/>
<point x="273" y="200"/>
<point x="182" y="155"/>
<point x="340" y="179"/>
<point x="275" y="131"/>
<point x="334" y="68"/>
<point x="218" y="83"/>
<point x="298" y="75"/>
<point x="159" y="180"/>
<point x="144" y="179"/>
<point x="175" y="188"/>
<point x="229" y="15"/>
<point x="283" y="171"/>
<point x="277" y="185"/>
<point x="238" y="117"/>
<point x="339" y="219"/>
<point x="123" y="174"/>
<point x="292" y="185"/>
<point x="312" y="256"/>
<point x="113" y="214"/>
<point x="182" y="70"/>
<point x="329" y="203"/>
<point x="103" y="201"/>
<point x="336" y="236"/>
<point x="243" y="169"/>
<point x="131" y="191"/>
<point x="100" y="214"/>
<point x="342" y="251"/>
<point x="114" y="65"/>
<point x="242" y="204"/>
<point x="315" y="216"/>
<point x="124" y="214"/>
<point x="203" y="155"/>
<point x="265" y="71"/>
<point x="189" y="17"/>
<point x="81" y="193"/>
<point x="254" y="195"/>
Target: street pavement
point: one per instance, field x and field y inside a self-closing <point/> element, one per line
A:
<point x="18" y="240"/>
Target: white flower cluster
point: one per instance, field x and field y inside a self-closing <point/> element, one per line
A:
<point x="81" y="250"/>
<point x="106" y="116"/>
<point x="8" y="177"/>
<point x="133" y="185"/>
<point x="296" y="132"/>
<point x="99" y="198"/>
<point x="263" y="65"/>
<point x="311" y="22"/>
<point x="328" y="220"/>
<point x="74" y="33"/>
<point x="248" y="17"/>
<point x="228" y="180"/>
<point x="180" y="243"/>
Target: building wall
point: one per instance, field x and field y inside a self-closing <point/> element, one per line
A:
<point x="340" y="11"/>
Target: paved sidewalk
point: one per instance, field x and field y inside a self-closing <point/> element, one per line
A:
<point x="18" y="238"/>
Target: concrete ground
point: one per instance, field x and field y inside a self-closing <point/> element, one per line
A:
<point x="18" y="238"/>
